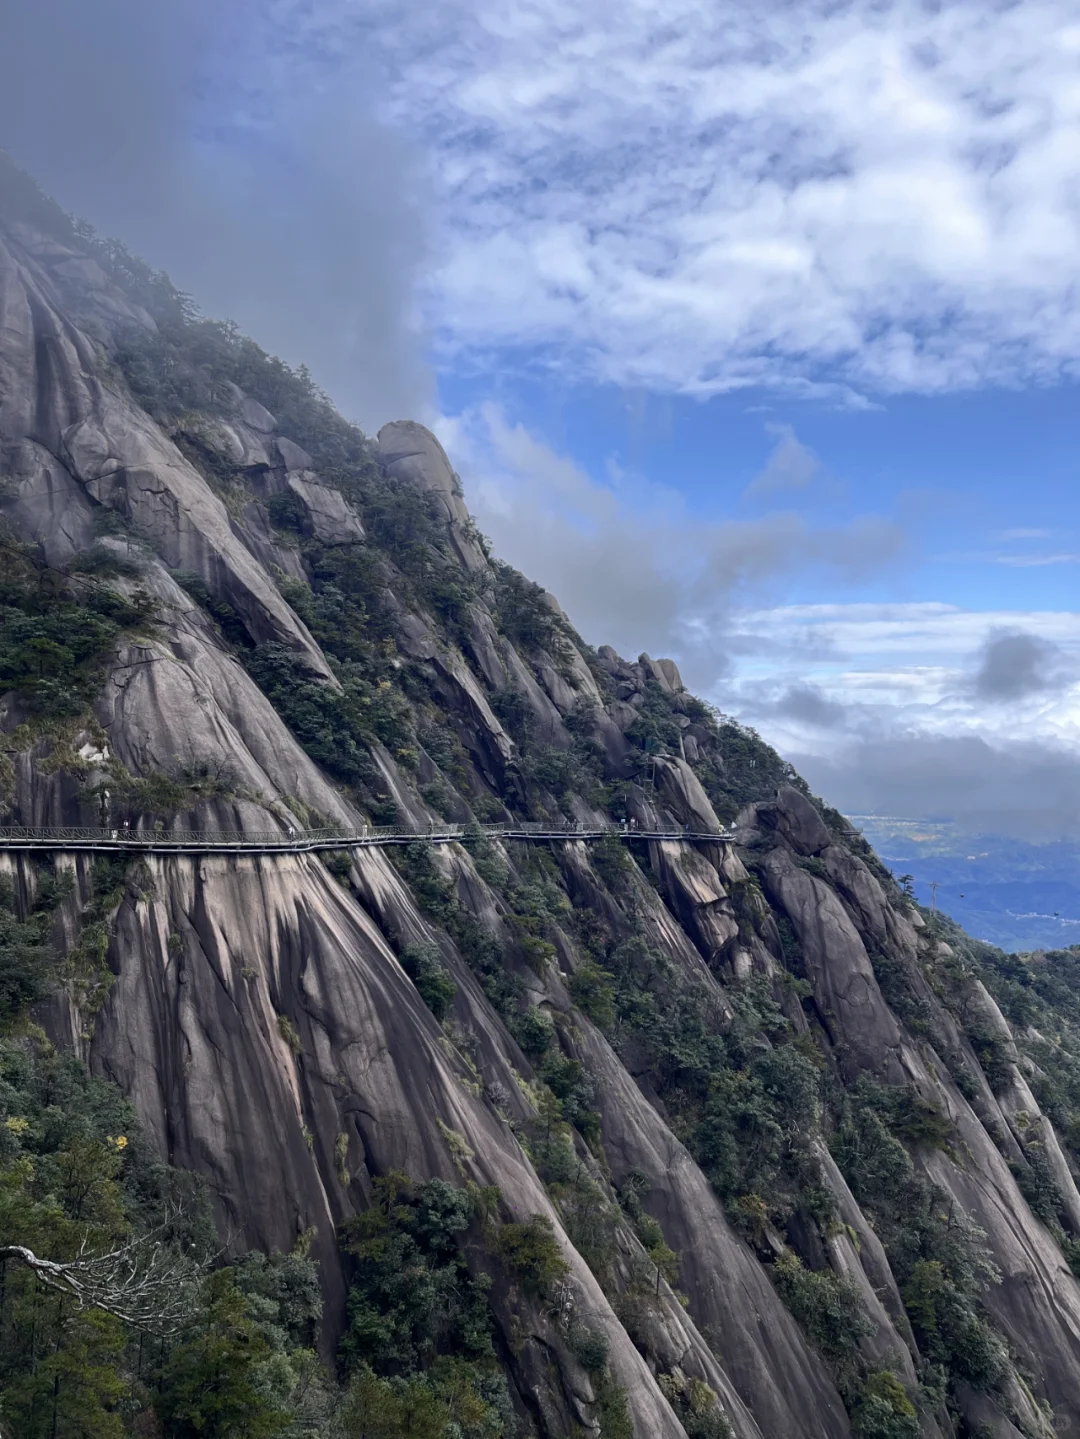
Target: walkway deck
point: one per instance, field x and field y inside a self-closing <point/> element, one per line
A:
<point x="71" y="839"/>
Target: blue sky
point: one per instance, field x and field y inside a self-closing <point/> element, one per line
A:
<point x="753" y="329"/>
<point x="985" y="481"/>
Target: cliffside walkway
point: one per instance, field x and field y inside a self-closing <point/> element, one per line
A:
<point x="73" y="839"/>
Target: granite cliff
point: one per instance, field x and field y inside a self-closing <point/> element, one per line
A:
<point x="796" y="1160"/>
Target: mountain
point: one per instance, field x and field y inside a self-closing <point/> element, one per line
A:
<point x="1008" y="891"/>
<point x="672" y="1139"/>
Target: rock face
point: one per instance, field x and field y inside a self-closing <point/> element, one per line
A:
<point x="262" y="1021"/>
<point x="411" y="454"/>
<point x="74" y="447"/>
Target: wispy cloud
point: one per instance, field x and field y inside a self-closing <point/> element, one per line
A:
<point x="1011" y="559"/>
<point x="878" y="195"/>
<point x="922" y="626"/>
<point x="1026" y="562"/>
<point x="627" y="561"/>
<point x="790" y="467"/>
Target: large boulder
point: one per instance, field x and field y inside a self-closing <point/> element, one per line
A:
<point x="793" y="816"/>
<point x="409" y="452"/>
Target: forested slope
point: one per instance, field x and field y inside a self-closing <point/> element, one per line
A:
<point x="654" y="1140"/>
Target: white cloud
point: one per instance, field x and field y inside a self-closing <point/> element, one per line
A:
<point x="877" y="194"/>
<point x="920" y="709"/>
<point x="634" y="569"/>
<point x="920" y="628"/>
<point x="907" y="669"/>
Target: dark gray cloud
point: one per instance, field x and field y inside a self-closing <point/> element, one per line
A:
<point x="255" y="174"/>
<point x="1014" y="664"/>
<point x="808" y="705"/>
<point x="1028" y="790"/>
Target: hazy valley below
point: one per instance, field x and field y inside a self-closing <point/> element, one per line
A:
<point x="1007" y="891"/>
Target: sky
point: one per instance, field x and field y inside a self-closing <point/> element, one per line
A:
<point x="752" y="328"/>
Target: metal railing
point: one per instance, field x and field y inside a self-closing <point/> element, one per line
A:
<point x="160" y="839"/>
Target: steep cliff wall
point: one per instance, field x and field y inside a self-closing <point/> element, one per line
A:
<point x="787" y="1143"/>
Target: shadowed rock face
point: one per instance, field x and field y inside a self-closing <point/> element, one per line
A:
<point x="837" y="965"/>
<point x="260" y="1019"/>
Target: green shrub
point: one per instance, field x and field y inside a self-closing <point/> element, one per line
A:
<point x="572" y="1085"/>
<point x="424" y="966"/>
<point x="611" y="861"/>
<point x="478" y="947"/>
<point x="287" y="511"/>
<point x="938" y="1256"/>
<point x="612" y="1409"/>
<point x="339" y="863"/>
<point x="899" y="990"/>
<point x="884" y="1410"/>
<point x="491" y="869"/>
<point x="209" y="1386"/>
<point x="918" y="1120"/>
<point x="533" y="1030"/>
<point x="418" y="1343"/>
<point x="532" y="1252"/>
<point x="992" y="1052"/>
<point x="828" y="1308"/>
<point x="377" y="1408"/>
<point x="748" y="768"/>
<point x="709" y="1423"/>
<point x="77" y="1175"/>
<point x="412" y="1296"/>
<point x="813" y="865"/>
<point x="231" y="625"/>
<point x="556" y="770"/>
<point x="653" y="729"/>
<point x="514" y="713"/>
<point x="1038" y="1185"/>
<point x="537" y="953"/>
<point x="58" y="629"/>
<point x="592" y="990"/>
<point x="439" y="796"/>
<point x="28" y="963"/>
<point x="288" y="1032"/>
<point x="590" y="1347"/>
<point x="523" y="614"/>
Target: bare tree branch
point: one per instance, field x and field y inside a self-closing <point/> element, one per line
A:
<point x="143" y="1282"/>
